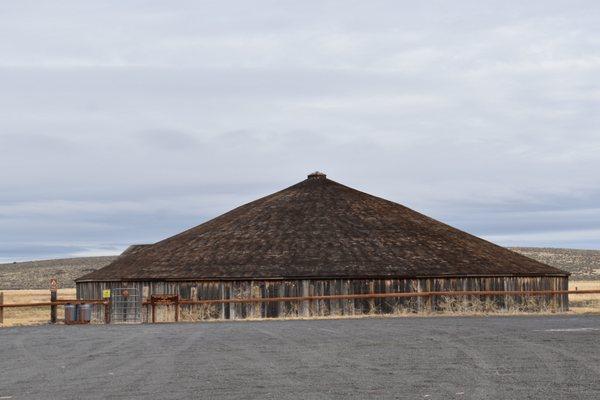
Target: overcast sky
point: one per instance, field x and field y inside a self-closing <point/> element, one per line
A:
<point x="127" y="122"/>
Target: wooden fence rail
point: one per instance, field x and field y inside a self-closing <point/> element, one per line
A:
<point x="178" y="302"/>
<point x="52" y="305"/>
<point x="384" y="295"/>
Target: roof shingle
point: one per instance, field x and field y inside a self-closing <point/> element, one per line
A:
<point x="319" y="228"/>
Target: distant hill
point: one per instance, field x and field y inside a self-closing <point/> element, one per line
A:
<point x="37" y="274"/>
<point x="583" y="265"/>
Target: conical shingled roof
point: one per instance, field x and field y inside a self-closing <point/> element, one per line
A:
<point x="319" y="228"/>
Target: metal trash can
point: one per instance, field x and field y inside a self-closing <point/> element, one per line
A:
<point x="70" y="314"/>
<point x="84" y="313"/>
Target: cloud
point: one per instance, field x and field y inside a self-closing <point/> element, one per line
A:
<point x="25" y="142"/>
<point x="167" y="139"/>
<point x="481" y="114"/>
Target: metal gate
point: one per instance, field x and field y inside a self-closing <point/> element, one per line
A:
<point x="126" y="306"/>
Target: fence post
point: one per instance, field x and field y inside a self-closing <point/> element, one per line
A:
<point x="153" y="309"/>
<point x="1" y="308"/>
<point x="177" y="308"/>
<point x="107" y="311"/>
<point x="305" y="305"/>
<point x="431" y="300"/>
<point x="53" y="298"/>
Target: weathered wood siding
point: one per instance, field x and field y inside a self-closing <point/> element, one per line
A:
<point x="212" y="290"/>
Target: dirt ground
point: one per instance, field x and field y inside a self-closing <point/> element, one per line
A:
<point x="473" y="358"/>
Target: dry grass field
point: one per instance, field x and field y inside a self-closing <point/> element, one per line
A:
<point x="579" y="304"/>
<point x="31" y="315"/>
<point x="585" y="303"/>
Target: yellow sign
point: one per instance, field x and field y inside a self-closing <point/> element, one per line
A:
<point x="106" y="294"/>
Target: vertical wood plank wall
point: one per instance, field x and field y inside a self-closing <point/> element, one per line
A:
<point x="210" y="290"/>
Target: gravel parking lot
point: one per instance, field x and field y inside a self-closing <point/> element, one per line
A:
<point x="415" y="358"/>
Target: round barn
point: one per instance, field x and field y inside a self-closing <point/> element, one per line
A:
<point x="320" y="238"/>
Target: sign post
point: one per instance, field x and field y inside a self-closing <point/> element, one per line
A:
<point x="106" y="297"/>
<point x="53" y="298"/>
